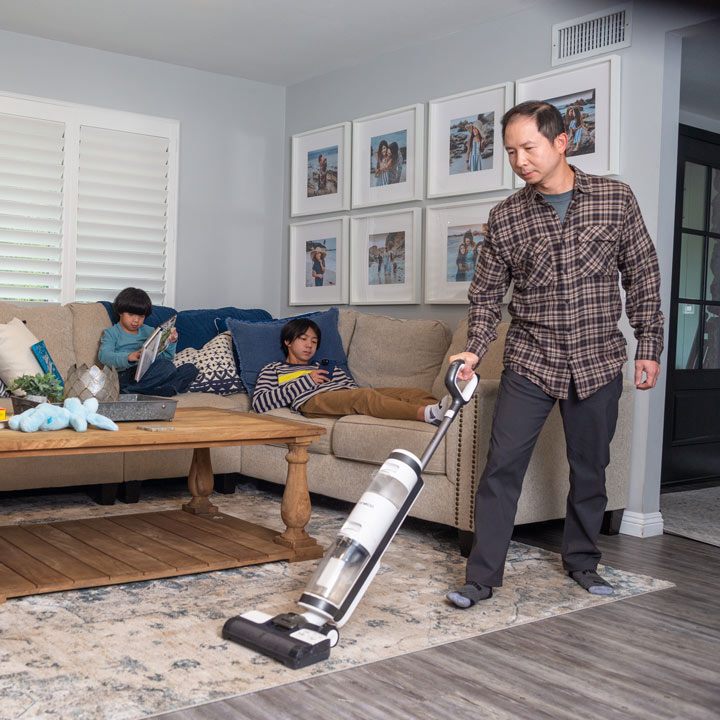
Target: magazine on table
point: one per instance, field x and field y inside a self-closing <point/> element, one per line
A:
<point x="154" y="345"/>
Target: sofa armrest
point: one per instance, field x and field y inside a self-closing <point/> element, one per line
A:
<point x="465" y="455"/>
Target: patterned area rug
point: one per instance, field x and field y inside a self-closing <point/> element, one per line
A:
<point x="130" y="651"/>
<point x="693" y="514"/>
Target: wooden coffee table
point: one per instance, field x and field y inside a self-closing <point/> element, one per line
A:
<point x="37" y="558"/>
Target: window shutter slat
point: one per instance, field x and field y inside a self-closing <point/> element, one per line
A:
<point x="31" y="208"/>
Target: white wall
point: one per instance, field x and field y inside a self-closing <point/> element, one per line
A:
<point x="515" y="47"/>
<point x="231" y="156"/>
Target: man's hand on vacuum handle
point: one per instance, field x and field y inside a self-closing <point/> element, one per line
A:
<point x="470" y="360"/>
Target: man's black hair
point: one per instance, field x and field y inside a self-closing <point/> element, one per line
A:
<point x="134" y="301"/>
<point x="547" y="117"/>
<point x="293" y="329"/>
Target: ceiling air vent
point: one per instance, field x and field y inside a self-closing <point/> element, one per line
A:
<point x="591" y="35"/>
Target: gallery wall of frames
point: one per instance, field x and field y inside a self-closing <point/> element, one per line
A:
<point x="380" y="255"/>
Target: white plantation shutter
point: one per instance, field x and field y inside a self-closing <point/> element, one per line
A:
<point x="31" y="208"/>
<point x="88" y="202"/>
<point x="122" y="214"/>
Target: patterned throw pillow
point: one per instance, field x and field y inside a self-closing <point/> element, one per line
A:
<point x="217" y="372"/>
<point x="3" y="390"/>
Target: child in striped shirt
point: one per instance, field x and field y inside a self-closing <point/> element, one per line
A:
<point x="302" y="385"/>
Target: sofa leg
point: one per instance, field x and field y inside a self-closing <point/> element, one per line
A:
<point x="225" y="483"/>
<point x="465" y="538"/>
<point x="104" y="493"/>
<point x="611" y="522"/>
<point x="129" y="492"/>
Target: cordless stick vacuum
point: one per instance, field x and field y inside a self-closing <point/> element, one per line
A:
<point x="348" y="567"/>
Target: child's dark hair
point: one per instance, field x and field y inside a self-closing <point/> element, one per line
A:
<point x="547" y="117"/>
<point x="134" y="301"/>
<point x="293" y="329"/>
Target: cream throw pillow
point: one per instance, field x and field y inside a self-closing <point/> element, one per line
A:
<point x="16" y="357"/>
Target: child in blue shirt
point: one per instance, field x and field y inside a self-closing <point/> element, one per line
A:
<point x="121" y="346"/>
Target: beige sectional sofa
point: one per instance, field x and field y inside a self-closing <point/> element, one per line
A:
<point x="382" y="351"/>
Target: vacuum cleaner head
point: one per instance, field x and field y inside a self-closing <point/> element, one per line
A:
<point x="289" y="637"/>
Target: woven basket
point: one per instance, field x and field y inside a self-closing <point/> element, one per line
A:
<point x="85" y="382"/>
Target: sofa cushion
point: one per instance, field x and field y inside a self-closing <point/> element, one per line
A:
<point x="371" y="440"/>
<point x="89" y="321"/>
<point x="197" y="327"/>
<point x="346" y="326"/>
<point x="49" y="322"/>
<point x="258" y="343"/>
<point x="189" y="400"/>
<point x="491" y="365"/>
<point x="215" y="362"/>
<point x="387" y="352"/>
<point x="323" y="446"/>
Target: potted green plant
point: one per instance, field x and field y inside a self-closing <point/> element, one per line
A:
<point x="28" y="390"/>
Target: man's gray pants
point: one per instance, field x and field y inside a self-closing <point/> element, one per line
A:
<point x="520" y="413"/>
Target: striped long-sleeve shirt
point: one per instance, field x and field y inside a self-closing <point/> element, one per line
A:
<point x="284" y="385"/>
<point x="566" y="296"/>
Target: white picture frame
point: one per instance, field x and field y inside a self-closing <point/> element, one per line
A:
<point x="445" y="227"/>
<point x="455" y="165"/>
<point x="399" y="135"/>
<point x="594" y="88"/>
<point x="320" y="170"/>
<point x="331" y="236"/>
<point x="381" y="273"/>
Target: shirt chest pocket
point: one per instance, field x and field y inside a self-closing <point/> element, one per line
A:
<point x="532" y="265"/>
<point x="596" y="250"/>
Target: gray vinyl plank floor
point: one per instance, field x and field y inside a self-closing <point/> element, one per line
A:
<point x="651" y="656"/>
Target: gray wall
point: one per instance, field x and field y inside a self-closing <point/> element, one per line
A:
<point x="231" y="157"/>
<point x="517" y="47"/>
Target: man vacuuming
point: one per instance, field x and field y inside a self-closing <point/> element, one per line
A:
<point x="563" y="239"/>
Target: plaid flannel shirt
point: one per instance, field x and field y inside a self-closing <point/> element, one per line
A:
<point x="566" y="297"/>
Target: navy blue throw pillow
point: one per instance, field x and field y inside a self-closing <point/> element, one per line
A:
<point x="197" y="327"/>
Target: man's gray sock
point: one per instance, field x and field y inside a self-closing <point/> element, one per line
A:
<point x="469" y="594"/>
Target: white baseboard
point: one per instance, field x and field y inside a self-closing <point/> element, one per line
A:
<point x="641" y="524"/>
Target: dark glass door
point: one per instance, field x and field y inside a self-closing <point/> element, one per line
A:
<point x="691" y="447"/>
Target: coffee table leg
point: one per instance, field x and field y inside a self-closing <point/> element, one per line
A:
<point x="200" y="482"/>
<point x="295" y="509"/>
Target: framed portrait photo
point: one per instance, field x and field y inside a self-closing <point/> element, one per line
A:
<point x="388" y="157"/>
<point x="454" y="235"/>
<point x="588" y="98"/>
<point x="319" y="262"/>
<point x="465" y="149"/>
<point x="385" y="258"/>
<point x="320" y="175"/>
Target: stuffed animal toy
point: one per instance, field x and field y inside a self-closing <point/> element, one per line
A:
<point x="73" y="414"/>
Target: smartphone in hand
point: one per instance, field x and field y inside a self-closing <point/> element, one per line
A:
<point x="328" y="366"/>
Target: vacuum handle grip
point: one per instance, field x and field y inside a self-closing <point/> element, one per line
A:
<point x="456" y="393"/>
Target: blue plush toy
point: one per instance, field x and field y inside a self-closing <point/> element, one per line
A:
<point x="73" y="413"/>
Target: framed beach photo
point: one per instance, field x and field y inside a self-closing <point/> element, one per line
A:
<point x="320" y="175"/>
<point x="465" y="149"/>
<point x="454" y="235"/>
<point x="388" y="157"/>
<point x="588" y="97"/>
<point x="385" y="258"/>
<point x="319" y="262"/>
